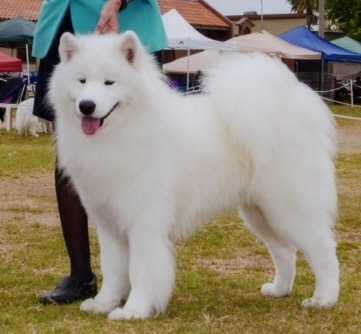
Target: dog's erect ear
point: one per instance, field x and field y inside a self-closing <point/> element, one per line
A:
<point x="68" y="46"/>
<point x="130" y="45"/>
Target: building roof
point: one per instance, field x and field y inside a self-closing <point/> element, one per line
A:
<point x="255" y="17"/>
<point x="196" y="12"/>
<point x="239" y="7"/>
<point x="28" y="9"/>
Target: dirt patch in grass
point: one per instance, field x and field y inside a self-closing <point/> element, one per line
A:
<point x="349" y="135"/>
<point x="349" y="139"/>
<point x="233" y="266"/>
<point x="28" y="198"/>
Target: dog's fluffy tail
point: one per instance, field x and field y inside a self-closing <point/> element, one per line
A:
<point x="261" y="100"/>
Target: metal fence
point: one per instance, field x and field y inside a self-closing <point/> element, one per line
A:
<point x="345" y="91"/>
<point x="333" y="90"/>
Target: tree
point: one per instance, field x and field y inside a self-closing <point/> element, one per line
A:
<point x="307" y="7"/>
<point x="346" y="14"/>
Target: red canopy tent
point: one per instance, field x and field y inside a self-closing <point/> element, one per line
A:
<point x="10" y="64"/>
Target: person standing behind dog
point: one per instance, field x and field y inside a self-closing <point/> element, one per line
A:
<point x="83" y="17"/>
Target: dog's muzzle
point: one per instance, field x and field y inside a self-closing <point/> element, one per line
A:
<point x="90" y="125"/>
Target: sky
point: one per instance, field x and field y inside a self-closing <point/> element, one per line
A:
<point x="237" y="7"/>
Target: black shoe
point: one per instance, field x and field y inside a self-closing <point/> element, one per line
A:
<point x="70" y="290"/>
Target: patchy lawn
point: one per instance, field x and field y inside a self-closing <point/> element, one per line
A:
<point x="347" y="111"/>
<point x="21" y="156"/>
<point x="220" y="269"/>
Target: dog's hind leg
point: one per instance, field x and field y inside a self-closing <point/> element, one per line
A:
<point x="283" y="254"/>
<point x="152" y="274"/>
<point x="114" y="261"/>
<point x="310" y="232"/>
<point x="320" y="252"/>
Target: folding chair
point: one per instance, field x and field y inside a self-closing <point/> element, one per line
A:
<point x="11" y="94"/>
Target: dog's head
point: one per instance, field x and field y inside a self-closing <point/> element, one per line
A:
<point x="97" y="77"/>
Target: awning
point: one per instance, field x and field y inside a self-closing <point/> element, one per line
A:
<point x="332" y="53"/>
<point x="348" y="44"/>
<point x="16" y="31"/>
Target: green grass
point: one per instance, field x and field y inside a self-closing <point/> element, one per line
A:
<point x="24" y="156"/>
<point x="346" y="111"/>
<point x="220" y="269"/>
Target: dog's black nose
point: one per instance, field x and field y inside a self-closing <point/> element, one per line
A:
<point x="87" y="107"/>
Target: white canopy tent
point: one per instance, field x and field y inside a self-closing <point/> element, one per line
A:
<point x="182" y="36"/>
<point x="193" y="64"/>
<point x="256" y="42"/>
<point x="268" y="43"/>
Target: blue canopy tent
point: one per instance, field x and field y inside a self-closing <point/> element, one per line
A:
<point x="302" y="37"/>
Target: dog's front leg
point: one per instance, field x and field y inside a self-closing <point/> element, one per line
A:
<point x="151" y="271"/>
<point x="114" y="261"/>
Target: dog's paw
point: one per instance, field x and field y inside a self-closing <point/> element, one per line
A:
<point x="127" y="314"/>
<point x="91" y="305"/>
<point x="318" y="303"/>
<point x="270" y="289"/>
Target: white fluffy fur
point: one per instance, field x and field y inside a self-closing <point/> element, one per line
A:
<point x="26" y="122"/>
<point x="257" y="141"/>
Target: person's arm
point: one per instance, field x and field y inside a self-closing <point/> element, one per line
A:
<point x="108" y="21"/>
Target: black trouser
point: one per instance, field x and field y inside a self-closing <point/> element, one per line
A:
<point x="73" y="217"/>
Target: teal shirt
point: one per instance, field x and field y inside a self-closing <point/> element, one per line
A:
<point x="141" y="16"/>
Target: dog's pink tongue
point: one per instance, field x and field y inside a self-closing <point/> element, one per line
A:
<point x="90" y="125"/>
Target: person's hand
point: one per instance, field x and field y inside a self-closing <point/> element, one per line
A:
<point x="108" y="21"/>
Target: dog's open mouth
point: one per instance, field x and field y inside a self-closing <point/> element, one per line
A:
<point x="90" y="125"/>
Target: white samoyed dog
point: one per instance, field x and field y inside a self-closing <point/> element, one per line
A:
<point x="150" y="165"/>
<point x="26" y="122"/>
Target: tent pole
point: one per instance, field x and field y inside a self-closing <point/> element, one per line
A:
<point x="351" y="92"/>
<point x="322" y="79"/>
<point x="188" y="68"/>
<point x="27" y="63"/>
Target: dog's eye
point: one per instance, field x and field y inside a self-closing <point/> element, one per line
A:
<point x="108" y="82"/>
<point x="82" y="81"/>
